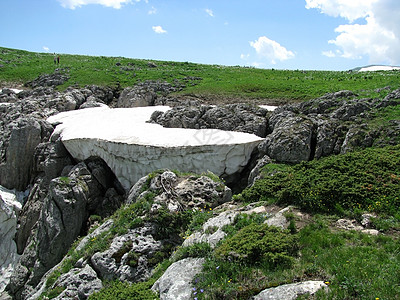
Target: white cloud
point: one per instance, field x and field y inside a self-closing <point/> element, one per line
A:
<point x="271" y="49"/>
<point x="47" y="49"/>
<point x="375" y="36"/>
<point x="328" y="53"/>
<point x="244" y="56"/>
<point x="159" y="29"/>
<point x="152" y="11"/>
<point x="72" y="4"/>
<point x="209" y="12"/>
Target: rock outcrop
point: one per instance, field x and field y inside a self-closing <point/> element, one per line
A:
<point x="9" y="209"/>
<point x="233" y="117"/>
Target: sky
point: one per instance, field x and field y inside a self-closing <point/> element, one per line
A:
<point x="279" y="34"/>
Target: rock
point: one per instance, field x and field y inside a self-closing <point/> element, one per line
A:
<point x="57" y="78"/>
<point x="176" y="282"/>
<point x="291" y="291"/>
<point x="357" y="137"/>
<point x="291" y="140"/>
<point x="366" y="220"/>
<point x="256" y="171"/>
<point x="232" y="117"/>
<point x="15" y="172"/>
<point x="133" y="148"/>
<point x="136" y="97"/>
<point x="127" y="257"/>
<point x="279" y="220"/>
<point x="78" y="283"/>
<point x="212" y="232"/>
<point x="348" y="224"/>
<point x="62" y="216"/>
<point x="330" y="137"/>
<point x="9" y="208"/>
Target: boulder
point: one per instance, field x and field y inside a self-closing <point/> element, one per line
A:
<point x="291" y="291"/>
<point x="176" y="282"/>
<point x="127" y="258"/>
<point x="291" y="141"/>
<point x="78" y="283"/>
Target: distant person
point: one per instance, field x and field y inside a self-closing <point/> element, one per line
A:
<point x="58" y="59"/>
<point x="55" y="59"/>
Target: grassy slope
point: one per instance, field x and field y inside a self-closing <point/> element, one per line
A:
<point x="216" y="81"/>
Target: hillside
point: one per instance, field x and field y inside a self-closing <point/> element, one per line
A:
<point x="212" y="82"/>
<point x="98" y="201"/>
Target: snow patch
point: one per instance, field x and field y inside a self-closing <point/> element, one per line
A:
<point x="132" y="147"/>
<point x="378" y="68"/>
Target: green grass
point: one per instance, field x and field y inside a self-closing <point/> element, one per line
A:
<point x="207" y="81"/>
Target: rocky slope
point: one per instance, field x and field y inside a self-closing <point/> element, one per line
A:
<point x="67" y="194"/>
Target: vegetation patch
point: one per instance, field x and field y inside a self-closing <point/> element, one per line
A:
<point x="363" y="180"/>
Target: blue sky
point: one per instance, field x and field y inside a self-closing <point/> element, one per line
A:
<point x="284" y="34"/>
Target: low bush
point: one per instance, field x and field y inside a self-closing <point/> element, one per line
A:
<point x="368" y="180"/>
<point x="118" y="290"/>
<point x="260" y="245"/>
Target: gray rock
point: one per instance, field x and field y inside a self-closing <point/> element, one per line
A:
<point x="176" y="282"/>
<point x="15" y="171"/>
<point x="212" y="232"/>
<point x="78" y="283"/>
<point x="279" y="219"/>
<point x="256" y="171"/>
<point x="290" y="141"/>
<point x="127" y="257"/>
<point x="290" y="291"/>
<point x="136" y="97"/>
<point x="232" y="117"/>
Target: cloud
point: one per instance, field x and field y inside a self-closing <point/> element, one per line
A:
<point x="372" y="31"/>
<point x="47" y="49"/>
<point x="328" y="53"/>
<point x="209" y="12"/>
<point x="244" y="56"/>
<point x="72" y="4"/>
<point x="271" y="49"/>
<point x="159" y="29"/>
<point x="152" y="11"/>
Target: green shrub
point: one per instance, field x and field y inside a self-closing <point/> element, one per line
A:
<point x="118" y="290"/>
<point x="260" y="245"/>
<point x="366" y="180"/>
<point x="195" y="250"/>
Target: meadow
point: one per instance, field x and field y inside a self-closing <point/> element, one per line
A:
<point x="221" y="83"/>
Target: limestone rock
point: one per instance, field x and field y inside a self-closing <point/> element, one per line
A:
<point x="232" y="117"/>
<point x="290" y="291"/>
<point x="78" y="283"/>
<point x="127" y="257"/>
<point x="15" y="172"/>
<point x="255" y="172"/>
<point x="176" y="282"/>
<point x="212" y="232"/>
<point x="9" y="208"/>
<point x="290" y="141"/>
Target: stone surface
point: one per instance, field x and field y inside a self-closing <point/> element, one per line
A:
<point x="290" y="291"/>
<point x="232" y="117"/>
<point x="176" y="282"/>
<point x="9" y="208"/>
<point x="127" y="257"/>
<point x="78" y="283"/>
<point x="212" y="232"/>
<point x="133" y="148"/>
